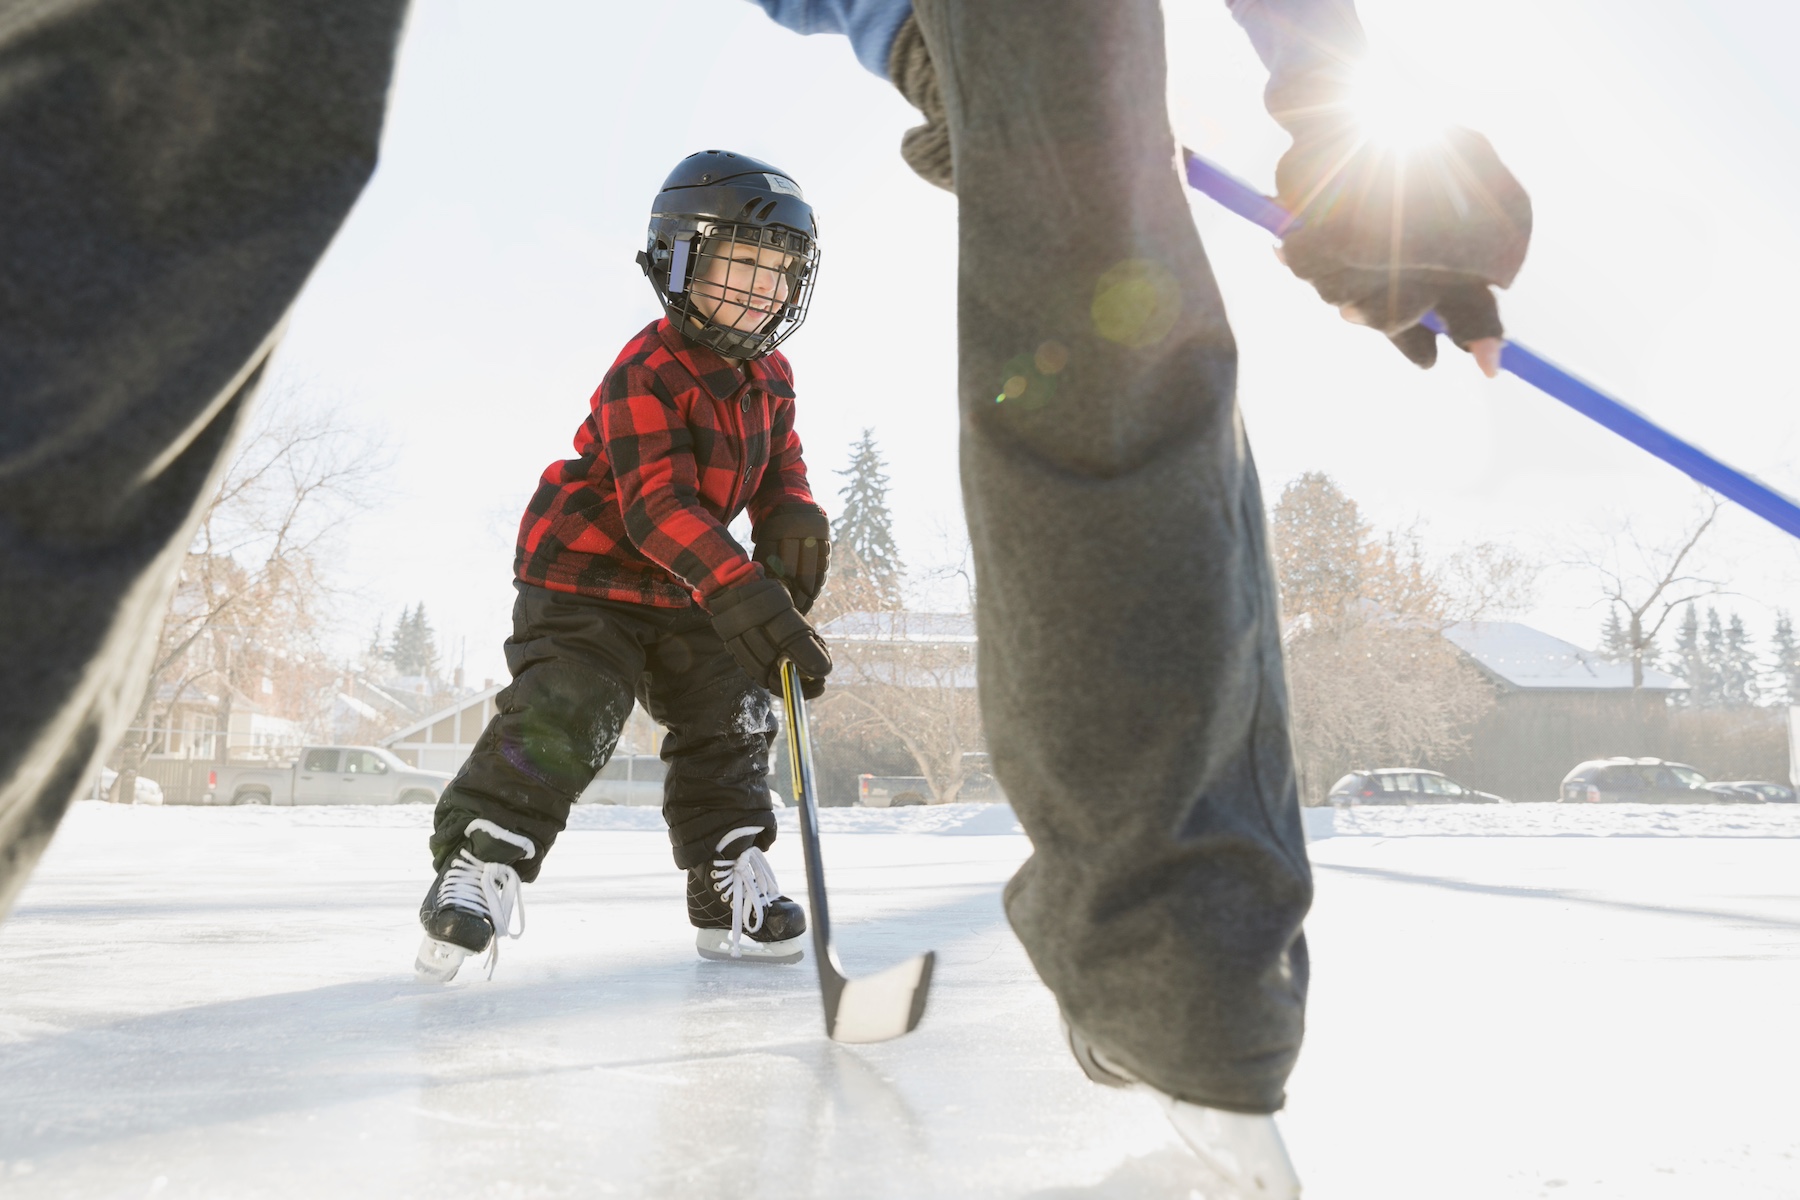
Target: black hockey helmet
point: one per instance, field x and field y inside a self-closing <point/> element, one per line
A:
<point x="718" y="208"/>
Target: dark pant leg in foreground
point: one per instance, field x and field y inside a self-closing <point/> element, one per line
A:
<point x="576" y="665"/>
<point x="170" y="171"/>
<point x="1130" y="655"/>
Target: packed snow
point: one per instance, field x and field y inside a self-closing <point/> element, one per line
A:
<point x="1508" y="1001"/>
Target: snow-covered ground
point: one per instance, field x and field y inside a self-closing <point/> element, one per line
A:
<point x="218" y="1003"/>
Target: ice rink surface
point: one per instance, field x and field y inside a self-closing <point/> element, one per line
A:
<point x="1506" y="1003"/>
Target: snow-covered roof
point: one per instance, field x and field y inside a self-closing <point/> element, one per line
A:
<point x="939" y="628"/>
<point x="1530" y="658"/>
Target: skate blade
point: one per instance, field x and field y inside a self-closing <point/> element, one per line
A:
<point x="438" y="962"/>
<point x="1243" y="1150"/>
<point x="715" y="944"/>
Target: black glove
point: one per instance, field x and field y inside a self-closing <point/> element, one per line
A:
<point x="1396" y="235"/>
<point x="761" y="627"/>
<point x="793" y="544"/>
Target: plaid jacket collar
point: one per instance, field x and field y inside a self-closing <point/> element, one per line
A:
<point x="716" y="374"/>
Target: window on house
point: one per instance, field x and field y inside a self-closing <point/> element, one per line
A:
<point x="199" y="734"/>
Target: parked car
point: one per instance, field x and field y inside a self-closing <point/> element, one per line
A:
<point x="148" y="791"/>
<point x="637" y="780"/>
<point x="327" y="775"/>
<point x="1637" y="781"/>
<point x="1405" y="785"/>
<point x="1756" y="791"/>
<point x="892" y="791"/>
<point x="630" y="779"/>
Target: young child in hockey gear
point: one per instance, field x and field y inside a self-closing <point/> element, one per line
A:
<point x="630" y="588"/>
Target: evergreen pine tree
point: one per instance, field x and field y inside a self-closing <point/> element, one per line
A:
<point x="1712" y="659"/>
<point x="865" y="528"/>
<point x="1784" y="655"/>
<point x="1737" y="667"/>
<point x="1615" y="642"/>
<point x="1689" y="660"/>
<point x="413" y="649"/>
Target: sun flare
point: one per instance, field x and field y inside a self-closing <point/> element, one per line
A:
<point x="1391" y="110"/>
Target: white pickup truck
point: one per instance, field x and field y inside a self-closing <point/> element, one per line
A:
<point x="327" y="775"/>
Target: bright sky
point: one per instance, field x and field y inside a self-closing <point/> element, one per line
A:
<point x="485" y="282"/>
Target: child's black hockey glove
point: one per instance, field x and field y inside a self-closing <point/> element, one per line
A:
<point x="761" y="626"/>
<point x="1392" y="234"/>
<point x="793" y="544"/>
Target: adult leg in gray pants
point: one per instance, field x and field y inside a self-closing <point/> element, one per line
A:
<point x="1129" y="642"/>
<point x="170" y="171"/>
<point x="174" y="168"/>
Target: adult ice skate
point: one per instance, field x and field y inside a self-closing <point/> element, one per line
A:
<point x="472" y="902"/>
<point x="1244" y="1151"/>
<point x="738" y="909"/>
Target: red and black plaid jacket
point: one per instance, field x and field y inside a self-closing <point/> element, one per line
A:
<point x="677" y="445"/>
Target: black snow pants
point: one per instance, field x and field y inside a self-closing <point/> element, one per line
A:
<point x="171" y="169"/>
<point x="577" y="665"/>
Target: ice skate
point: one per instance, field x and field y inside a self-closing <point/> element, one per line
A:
<point x="737" y="907"/>
<point x="1243" y="1150"/>
<point x="472" y="902"/>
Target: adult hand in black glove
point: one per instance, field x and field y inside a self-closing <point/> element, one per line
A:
<point x="761" y="626"/>
<point x="793" y="544"/>
<point x="1389" y="234"/>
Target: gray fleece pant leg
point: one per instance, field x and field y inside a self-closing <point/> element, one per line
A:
<point x="1130" y="653"/>
<point x="170" y="171"/>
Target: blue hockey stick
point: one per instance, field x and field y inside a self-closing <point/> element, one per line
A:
<point x="1624" y="420"/>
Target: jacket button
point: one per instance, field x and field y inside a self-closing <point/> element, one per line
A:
<point x="744" y="404"/>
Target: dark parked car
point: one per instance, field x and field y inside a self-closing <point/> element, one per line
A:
<point x="1756" y="791"/>
<point x="1637" y="781"/>
<point x="1404" y="785"/>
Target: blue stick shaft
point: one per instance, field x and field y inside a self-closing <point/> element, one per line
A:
<point x="1624" y="420"/>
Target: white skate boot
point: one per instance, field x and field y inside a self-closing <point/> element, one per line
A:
<point x="1243" y="1150"/>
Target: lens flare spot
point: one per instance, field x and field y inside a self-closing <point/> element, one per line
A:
<point x="1136" y="303"/>
<point x="1015" y="387"/>
<point x="1050" y="358"/>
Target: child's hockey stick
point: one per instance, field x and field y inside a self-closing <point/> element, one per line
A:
<point x="888" y="1003"/>
<point x="1584" y="398"/>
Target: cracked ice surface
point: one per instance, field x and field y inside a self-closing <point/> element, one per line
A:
<point x="218" y="1003"/>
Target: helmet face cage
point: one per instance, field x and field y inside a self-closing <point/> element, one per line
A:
<point x="737" y="288"/>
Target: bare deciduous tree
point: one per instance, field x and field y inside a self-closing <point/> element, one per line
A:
<point x="250" y="604"/>
<point x="909" y="677"/>
<point x="1648" y="581"/>
<point x="912" y="677"/>
<point x="1371" y="677"/>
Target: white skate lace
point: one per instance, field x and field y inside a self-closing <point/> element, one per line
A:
<point x="491" y="889"/>
<point x="747" y="883"/>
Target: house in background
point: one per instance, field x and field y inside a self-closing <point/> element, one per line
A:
<point x="947" y="639"/>
<point x="442" y="741"/>
<point x="1556" y="705"/>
